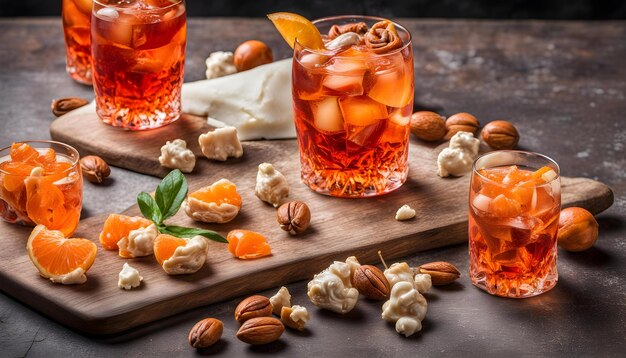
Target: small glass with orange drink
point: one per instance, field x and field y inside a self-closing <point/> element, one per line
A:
<point x="76" y="16"/>
<point x="514" y="207"/>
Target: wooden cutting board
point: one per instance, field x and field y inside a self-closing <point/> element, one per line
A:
<point x="339" y="228"/>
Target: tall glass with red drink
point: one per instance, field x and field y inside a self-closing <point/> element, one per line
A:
<point x="76" y="16"/>
<point x="138" y="49"/>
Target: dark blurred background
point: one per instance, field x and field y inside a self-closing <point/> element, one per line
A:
<point x="487" y="9"/>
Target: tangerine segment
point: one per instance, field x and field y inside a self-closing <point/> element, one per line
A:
<point x="165" y="245"/>
<point x="119" y="226"/>
<point x="245" y="244"/>
<point x="24" y="153"/>
<point x="55" y="256"/>
<point x="221" y="192"/>
<point x="292" y="26"/>
<point x="45" y="203"/>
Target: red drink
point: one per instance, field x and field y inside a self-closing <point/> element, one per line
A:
<point x="513" y="221"/>
<point x="352" y="108"/>
<point x="138" y="49"/>
<point x="76" y="21"/>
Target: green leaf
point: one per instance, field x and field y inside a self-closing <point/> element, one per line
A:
<point x="149" y="207"/>
<point x="170" y="194"/>
<point x="180" y="231"/>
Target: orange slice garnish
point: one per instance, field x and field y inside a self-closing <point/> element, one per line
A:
<point x="293" y="26"/>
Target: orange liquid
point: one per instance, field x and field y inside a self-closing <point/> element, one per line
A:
<point x="138" y="57"/>
<point x="512" y="232"/>
<point x="53" y="199"/>
<point x="352" y="112"/>
<point x="76" y="21"/>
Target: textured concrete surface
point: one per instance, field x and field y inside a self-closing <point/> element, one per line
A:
<point x="561" y="83"/>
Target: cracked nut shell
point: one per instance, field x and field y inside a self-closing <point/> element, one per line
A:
<point x="260" y="330"/>
<point x="578" y="229"/>
<point x="428" y="126"/>
<point x="371" y="282"/>
<point x="94" y="168"/>
<point x="253" y="306"/>
<point x="206" y="332"/>
<point x="500" y="135"/>
<point x="441" y="272"/>
<point x="294" y="217"/>
<point x="461" y="122"/>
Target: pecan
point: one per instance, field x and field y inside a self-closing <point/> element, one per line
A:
<point x="383" y="37"/>
<point x="61" y="106"/>
<point x="356" y="27"/>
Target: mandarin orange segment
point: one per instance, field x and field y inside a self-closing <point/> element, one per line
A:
<point x="293" y="26"/>
<point x="55" y="256"/>
<point x="221" y="192"/>
<point x="45" y="203"/>
<point x="119" y="226"/>
<point x="165" y="245"/>
<point x="245" y="244"/>
<point x="501" y="206"/>
<point x="22" y="152"/>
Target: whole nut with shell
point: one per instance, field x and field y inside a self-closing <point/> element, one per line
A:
<point x="260" y="330"/>
<point x="294" y="217"/>
<point x="94" y="168"/>
<point x="441" y="272"/>
<point x="251" y="54"/>
<point x="461" y="122"/>
<point x="61" y="106"/>
<point x="428" y="126"/>
<point x="578" y="229"/>
<point x="500" y="135"/>
<point x="206" y="332"/>
<point x="371" y="282"/>
<point x="253" y="306"/>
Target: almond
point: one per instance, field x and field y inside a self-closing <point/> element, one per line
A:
<point x="206" y="332"/>
<point x="441" y="272"/>
<point x="371" y="282"/>
<point x="500" y="135"/>
<point x="260" y="330"/>
<point x="253" y="306"/>
<point x="428" y="126"/>
<point x="461" y="122"/>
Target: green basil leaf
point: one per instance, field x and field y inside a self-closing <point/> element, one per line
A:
<point x="180" y="231"/>
<point x="170" y="193"/>
<point x="149" y="207"/>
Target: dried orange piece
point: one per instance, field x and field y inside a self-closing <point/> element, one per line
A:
<point x="293" y="26"/>
<point x="117" y="227"/>
<point x="245" y="244"/>
<point x="45" y="204"/>
<point x="217" y="203"/>
<point x="165" y="246"/>
<point x="22" y="152"/>
<point x="59" y="259"/>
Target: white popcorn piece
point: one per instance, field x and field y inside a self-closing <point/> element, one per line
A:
<point x="405" y="213"/>
<point x="129" y="277"/>
<point x="399" y="272"/>
<point x="406" y="307"/>
<point x="281" y="299"/>
<point x="465" y="141"/>
<point x="332" y="288"/>
<point x="220" y="63"/>
<point x="73" y="278"/>
<point x="139" y="242"/>
<point x="422" y="282"/>
<point x="175" y="155"/>
<point x="220" y="144"/>
<point x="271" y="185"/>
<point x="210" y="212"/>
<point x="188" y="259"/>
<point x="457" y="159"/>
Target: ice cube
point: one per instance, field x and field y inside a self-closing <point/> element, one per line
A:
<point x="312" y="60"/>
<point x="392" y="82"/>
<point x="501" y="206"/>
<point x="481" y="202"/>
<point x="108" y="14"/>
<point x="327" y="115"/>
<point x="399" y="118"/>
<point x="367" y="136"/>
<point x="345" y="75"/>
<point x="362" y="111"/>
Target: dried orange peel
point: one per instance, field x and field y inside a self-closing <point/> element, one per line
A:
<point x="245" y="244"/>
<point x="293" y="26"/>
<point x="59" y="259"/>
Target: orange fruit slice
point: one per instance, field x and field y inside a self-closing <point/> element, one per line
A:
<point x="245" y="244"/>
<point x="117" y="227"/>
<point x="293" y="26"/>
<point x="221" y="192"/>
<point x="59" y="259"/>
<point x="217" y="203"/>
<point x="165" y="245"/>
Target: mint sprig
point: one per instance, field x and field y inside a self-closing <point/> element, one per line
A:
<point x="168" y="198"/>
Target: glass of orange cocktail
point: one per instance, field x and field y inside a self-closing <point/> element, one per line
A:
<point x="514" y="206"/>
<point x="352" y="104"/>
<point x="138" y="49"/>
<point x="76" y="16"/>
<point x="41" y="183"/>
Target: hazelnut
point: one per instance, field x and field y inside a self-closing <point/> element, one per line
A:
<point x="60" y="106"/>
<point x="94" y="168"/>
<point x="371" y="282"/>
<point x="251" y="54"/>
<point x="500" y="135"/>
<point x="206" y="332"/>
<point x="294" y="217"/>
<point x="428" y="126"/>
<point x="253" y="306"/>
<point x="441" y="272"/>
<point x="461" y="122"/>
<point x="578" y="229"/>
<point x="260" y="330"/>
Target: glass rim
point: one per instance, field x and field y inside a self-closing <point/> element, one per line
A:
<point x="476" y="172"/>
<point x="100" y="3"/>
<point x="71" y="149"/>
<point x="366" y="17"/>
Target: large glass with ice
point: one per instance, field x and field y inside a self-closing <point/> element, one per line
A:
<point x="515" y="201"/>
<point x="352" y="105"/>
<point x="76" y="16"/>
<point x="138" y="49"/>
